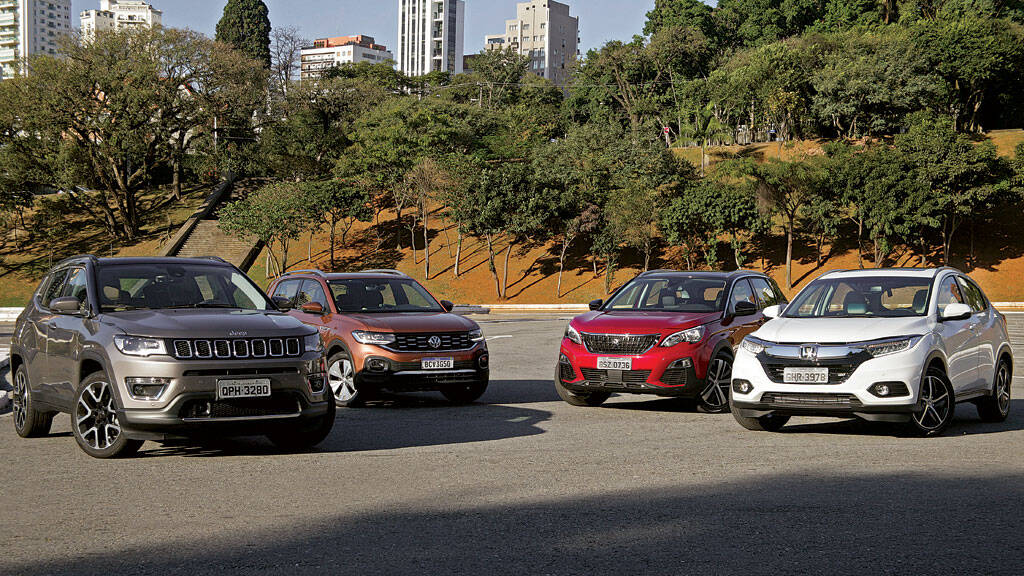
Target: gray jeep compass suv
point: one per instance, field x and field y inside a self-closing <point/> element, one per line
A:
<point x="139" y="349"/>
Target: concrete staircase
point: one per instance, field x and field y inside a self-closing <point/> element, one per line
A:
<point x="207" y="239"/>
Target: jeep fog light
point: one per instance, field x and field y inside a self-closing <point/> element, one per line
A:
<point x="316" y="383"/>
<point x="146" y="388"/>
<point x="742" y="386"/>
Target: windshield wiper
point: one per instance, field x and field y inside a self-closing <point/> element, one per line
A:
<point x="200" y="305"/>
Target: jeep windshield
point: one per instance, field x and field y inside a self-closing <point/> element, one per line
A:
<point x="864" y="297"/>
<point x="368" y="296"/>
<point x="691" y="295"/>
<point x="169" y="286"/>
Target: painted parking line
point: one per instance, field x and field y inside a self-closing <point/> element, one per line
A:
<point x="492" y="338"/>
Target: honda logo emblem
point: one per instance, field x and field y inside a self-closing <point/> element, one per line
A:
<point x="435" y="342"/>
<point x="809" y="352"/>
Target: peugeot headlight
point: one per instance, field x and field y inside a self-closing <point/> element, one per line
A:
<point x="138" y="346"/>
<point x="476" y="335"/>
<point x="313" y="343"/>
<point x="891" y="346"/>
<point x="753" y="345"/>
<point x="573" y="335"/>
<point x="692" y="335"/>
<point x="378" y="338"/>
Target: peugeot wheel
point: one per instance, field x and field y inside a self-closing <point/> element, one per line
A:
<point x="28" y="422"/>
<point x="936" y="405"/>
<point x="996" y="408"/>
<point x="591" y="399"/>
<point x="714" y="398"/>
<point x="94" y="420"/>
<point x="341" y="375"/>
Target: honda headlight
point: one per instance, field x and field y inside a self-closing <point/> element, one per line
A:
<point x="692" y="335"/>
<point x="313" y="343"/>
<point x="573" y="335"/>
<point x="891" y="346"/>
<point x="752" y="345"/>
<point x="476" y="335"/>
<point x="138" y="346"/>
<point x="377" y="338"/>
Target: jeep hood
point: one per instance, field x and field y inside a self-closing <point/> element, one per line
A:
<point x="423" y="322"/>
<point x="839" y="330"/>
<point x="206" y="323"/>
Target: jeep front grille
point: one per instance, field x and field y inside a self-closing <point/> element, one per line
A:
<point x="629" y="344"/>
<point x="237" y="348"/>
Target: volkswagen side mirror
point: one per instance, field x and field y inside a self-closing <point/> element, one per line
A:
<point x="312" y="308"/>
<point x="447" y="305"/>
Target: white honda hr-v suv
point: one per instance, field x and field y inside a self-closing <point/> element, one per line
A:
<point x="890" y="345"/>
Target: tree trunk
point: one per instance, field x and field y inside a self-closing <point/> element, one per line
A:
<point x="493" y="268"/>
<point x="309" y="247"/>
<point x="504" y="279"/>
<point x="458" y="254"/>
<point x="561" y="265"/>
<point x="176" y="180"/>
<point x="334" y="228"/>
<point x="860" y="234"/>
<point x="789" y="254"/>
<point x="426" y="244"/>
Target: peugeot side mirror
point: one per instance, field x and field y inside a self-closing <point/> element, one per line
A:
<point x="312" y="308"/>
<point x="447" y="305"/>
<point x="66" y="305"/>
<point x="596" y="304"/>
<point x="772" y="311"/>
<point x="283" y="304"/>
<point x="745" y="309"/>
<point x="954" y="312"/>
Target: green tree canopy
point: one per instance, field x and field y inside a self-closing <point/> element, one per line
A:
<point x="245" y="25"/>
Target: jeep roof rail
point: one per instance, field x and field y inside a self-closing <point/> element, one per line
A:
<point x="80" y="257"/>
<point x="215" y="259"/>
<point x="387" y="271"/>
<point x="319" y="273"/>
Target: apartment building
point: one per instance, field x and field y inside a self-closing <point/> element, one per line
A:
<point x="119" y="15"/>
<point x="327" y="53"/>
<point x="29" y="27"/>
<point x="431" y="34"/>
<point x="546" y="32"/>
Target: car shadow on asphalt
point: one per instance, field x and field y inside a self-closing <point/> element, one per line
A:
<point x="772" y="523"/>
<point x="966" y="423"/>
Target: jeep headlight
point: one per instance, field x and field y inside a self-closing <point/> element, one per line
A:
<point x="313" y="343"/>
<point x="891" y="346"/>
<point x="377" y="338"/>
<point x="139" y="346"/>
<point x="573" y="335"/>
<point x="692" y="335"/>
<point x="753" y="345"/>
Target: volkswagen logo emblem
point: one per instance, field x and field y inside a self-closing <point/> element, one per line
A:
<point x="434" y="342"/>
<point x="809" y="352"/>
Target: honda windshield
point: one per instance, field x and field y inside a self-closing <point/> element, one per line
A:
<point x="862" y="297"/>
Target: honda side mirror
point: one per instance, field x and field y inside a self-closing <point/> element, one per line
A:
<point x="772" y="311"/>
<point x="596" y="304"/>
<point x="954" y="312"/>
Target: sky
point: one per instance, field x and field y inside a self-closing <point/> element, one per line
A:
<point x="600" y="20"/>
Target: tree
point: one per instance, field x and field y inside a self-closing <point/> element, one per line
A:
<point x="703" y="127"/>
<point x="343" y="203"/>
<point x="680" y="14"/>
<point x="286" y="46"/>
<point x="245" y="26"/>
<point x="276" y="214"/>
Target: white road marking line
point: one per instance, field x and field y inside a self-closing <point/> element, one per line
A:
<point x="489" y="338"/>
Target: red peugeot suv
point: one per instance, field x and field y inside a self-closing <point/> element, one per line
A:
<point x="666" y="333"/>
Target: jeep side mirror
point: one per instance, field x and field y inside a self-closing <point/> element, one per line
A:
<point x="66" y="305"/>
<point x="772" y="311"/>
<point x="952" y="312"/>
<point x="312" y="308"/>
<point x="596" y="304"/>
<point x="447" y="305"/>
<point x="283" y="304"/>
<point x="745" y="309"/>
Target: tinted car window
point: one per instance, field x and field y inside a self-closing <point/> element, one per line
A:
<point x="288" y="289"/>
<point x="742" y="292"/>
<point x="54" y="287"/>
<point x="161" y="286"/>
<point x="368" y="295"/>
<point x="876" y="296"/>
<point x="972" y="294"/>
<point x="681" y="294"/>
<point x="949" y="293"/>
<point x="76" y="286"/>
<point x="312" y="293"/>
<point x="765" y="293"/>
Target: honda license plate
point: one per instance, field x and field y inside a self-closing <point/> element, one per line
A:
<point x="805" y="375"/>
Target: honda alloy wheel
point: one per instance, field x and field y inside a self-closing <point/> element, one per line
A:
<point x="936" y="404"/>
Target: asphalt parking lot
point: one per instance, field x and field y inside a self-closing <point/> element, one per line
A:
<point x="522" y="483"/>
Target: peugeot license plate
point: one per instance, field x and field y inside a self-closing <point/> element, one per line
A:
<point x="805" y="375"/>
<point x="614" y="363"/>
<point x="437" y="363"/>
<point x="252" y="388"/>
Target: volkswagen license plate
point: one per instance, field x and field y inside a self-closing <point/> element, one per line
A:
<point x="805" y="375"/>
<point x="614" y="363"/>
<point x="252" y="388"/>
<point x="437" y="363"/>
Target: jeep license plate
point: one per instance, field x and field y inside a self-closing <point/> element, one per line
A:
<point x="614" y="363"/>
<point x="252" y="388"/>
<point x="437" y="363"/>
<point x="805" y="375"/>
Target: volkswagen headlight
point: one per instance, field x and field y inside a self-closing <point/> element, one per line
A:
<point x="377" y="338"/>
<point x="138" y="346"/>
<point x="891" y="346"/>
<point x="573" y="335"/>
<point x="753" y="345"/>
<point x="692" y="335"/>
<point x="476" y="335"/>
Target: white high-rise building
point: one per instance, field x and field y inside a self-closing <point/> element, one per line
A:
<point x="326" y="53"/>
<point x="544" y="31"/>
<point x="430" y="36"/>
<point x="29" y="27"/>
<point x="118" y="15"/>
